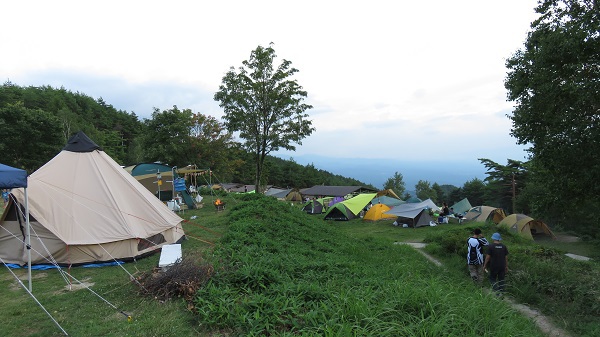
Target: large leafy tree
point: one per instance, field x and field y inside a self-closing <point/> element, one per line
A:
<point x="265" y="105"/>
<point x="474" y="190"/>
<point x="167" y="137"/>
<point x="554" y="82"/>
<point x="395" y="183"/>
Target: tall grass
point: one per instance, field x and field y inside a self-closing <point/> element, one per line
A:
<point x="282" y="272"/>
<point x="567" y="290"/>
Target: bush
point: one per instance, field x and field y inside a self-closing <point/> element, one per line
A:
<point x="183" y="279"/>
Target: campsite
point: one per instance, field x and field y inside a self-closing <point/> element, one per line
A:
<point x="272" y="268"/>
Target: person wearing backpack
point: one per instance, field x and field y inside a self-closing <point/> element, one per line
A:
<point x="475" y="245"/>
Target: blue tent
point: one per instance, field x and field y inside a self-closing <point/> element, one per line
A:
<point x="11" y="177"/>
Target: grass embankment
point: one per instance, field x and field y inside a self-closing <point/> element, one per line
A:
<point x="540" y="275"/>
<point x="282" y="272"/>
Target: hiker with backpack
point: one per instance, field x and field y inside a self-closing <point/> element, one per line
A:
<point x="475" y="260"/>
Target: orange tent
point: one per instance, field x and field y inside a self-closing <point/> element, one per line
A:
<point x="377" y="212"/>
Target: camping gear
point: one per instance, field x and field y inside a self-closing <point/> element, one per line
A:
<point x="415" y="218"/>
<point x="388" y="201"/>
<point x="162" y="180"/>
<point x="85" y="208"/>
<point x="10" y="178"/>
<point x="415" y="214"/>
<point x="315" y="206"/>
<point x="377" y="212"/>
<point x="526" y="226"/>
<point x="461" y="207"/>
<point x="349" y="209"/>
<point x="485" y="214"/>
<point x="413" y="200"/>
<point x="388" y="193"/>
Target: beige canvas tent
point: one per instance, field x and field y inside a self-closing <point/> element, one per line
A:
<point x="526" y="226"/>
<point x="85" y="208"/>
<point x="485" y="213"/>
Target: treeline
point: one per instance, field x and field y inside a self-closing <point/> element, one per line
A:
<point x="36" y="122"/>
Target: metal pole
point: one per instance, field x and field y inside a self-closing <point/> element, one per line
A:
<point x="158" y="182"/>
<point x="28" y="238"/>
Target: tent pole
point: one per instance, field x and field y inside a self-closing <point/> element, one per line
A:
<point x="28" y="238"/>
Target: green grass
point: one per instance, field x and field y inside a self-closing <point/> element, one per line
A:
<point x="281" y="272"/>
<point x="543" y="277"/>
<point x="81" y="313"/>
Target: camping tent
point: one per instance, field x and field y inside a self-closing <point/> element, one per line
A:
<point x="389" y="193"/>
<point x="349" y="209"/>
<point x="10" y="178"/>
<point x="485" y="213"/>
<point x="462" y="207"/>
<point x="427" y="204"/>
<point x="414" y="214"/>
<point x="315" y="206"/>
<point x="415" y="218"/>
<point x="413" y="200"/>
<point x="293" y="196"/>
<point x="85" y="208"/>
<point x="377" y="212"/>
<point x="147" y="174"/>
<point x="388" y="201"/>
<point x="526" y="226"/>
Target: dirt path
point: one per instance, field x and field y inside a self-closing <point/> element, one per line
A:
<point x="543" y="322"/>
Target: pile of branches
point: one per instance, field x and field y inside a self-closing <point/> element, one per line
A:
<point x="183" y="279"/>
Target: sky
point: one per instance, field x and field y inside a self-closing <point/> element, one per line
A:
<point x="415" y="87"/>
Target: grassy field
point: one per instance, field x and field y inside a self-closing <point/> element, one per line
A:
<point x="281" y="272"/>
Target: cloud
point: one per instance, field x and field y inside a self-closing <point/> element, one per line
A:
<point x="417" y="81"/>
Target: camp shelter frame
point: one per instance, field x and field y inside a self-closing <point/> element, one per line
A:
<point x="349" y="208"/>
<point x="11" y="177"/>
<point x="417" y="213"/>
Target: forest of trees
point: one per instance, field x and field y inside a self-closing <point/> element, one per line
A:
<point x="35" y="123"/>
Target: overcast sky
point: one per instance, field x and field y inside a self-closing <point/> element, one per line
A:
<point x="410" y="86"/>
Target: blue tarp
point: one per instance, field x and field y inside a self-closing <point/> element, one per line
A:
<point x="11" y="177"/>
<point x="51" y="266"/>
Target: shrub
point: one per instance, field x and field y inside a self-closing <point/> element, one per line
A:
<point x="183" y="279"/>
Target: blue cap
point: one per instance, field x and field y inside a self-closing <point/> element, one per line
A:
<point x="496" y="236"/>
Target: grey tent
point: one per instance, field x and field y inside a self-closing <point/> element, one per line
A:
<point x="414" y="214"/>
<point x="413" y="218"/>
<point x="462" y="207"/>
